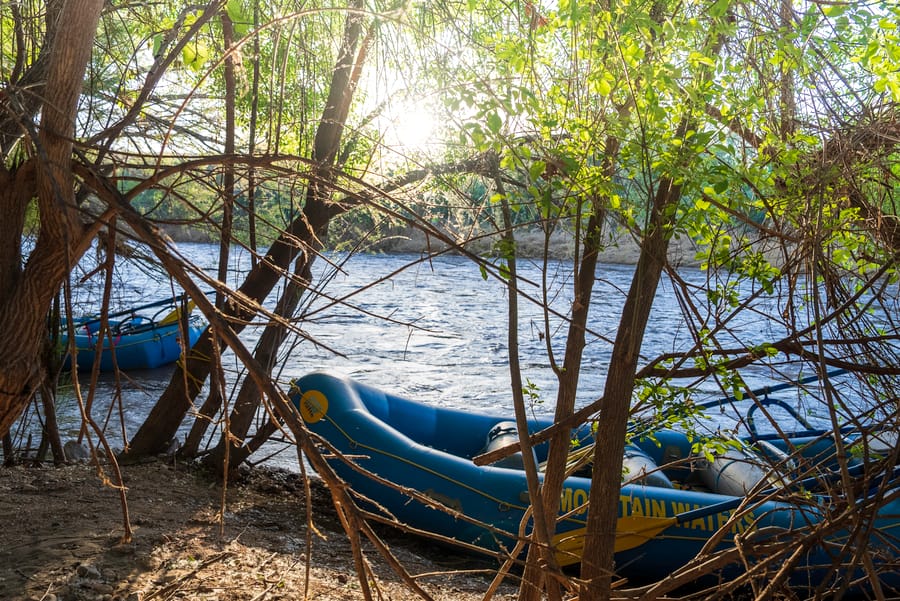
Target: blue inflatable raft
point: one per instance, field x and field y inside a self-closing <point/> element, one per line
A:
<point x="666" y="515"/>
<point x="137" y="341"/>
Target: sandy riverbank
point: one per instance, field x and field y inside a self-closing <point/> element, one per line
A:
<point x="61" y="528"/>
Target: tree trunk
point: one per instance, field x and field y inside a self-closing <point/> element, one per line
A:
<point x="612" y="422"/>
<point x="568" y="389"/>
<point x="597" y="565"/>
<point x="304" y="234"/>
<point x="17" y="187"/>
<point x="52" y="364"/>
<point x="60" y="239"/>
<point x="249" y="395"/>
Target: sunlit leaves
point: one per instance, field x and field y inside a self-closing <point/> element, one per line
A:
<point x="660" y="404"/>
<point x="494" y="123"/>
<point x="241" y="21"/>
<point x="584" y="110"/>
<point x="602" y="85"/>
<point x="850" y="247"/>
<point x="719" y="8"/>
<point x="195" y="54"/>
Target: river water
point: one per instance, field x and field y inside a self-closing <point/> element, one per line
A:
<point x="433" y="330"/>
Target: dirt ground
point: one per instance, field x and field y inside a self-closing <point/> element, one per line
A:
<point x="61" y="530"/>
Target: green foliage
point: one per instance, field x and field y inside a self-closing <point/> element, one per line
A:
<point x="661" y="404"/>
<point x="241" y="18"/>
<point x="712" y="446"/>
<point x="532" y="393"/>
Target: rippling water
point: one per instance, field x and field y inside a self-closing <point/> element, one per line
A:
<point x="434" y="330"/>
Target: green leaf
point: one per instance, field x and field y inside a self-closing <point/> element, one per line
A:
<point x="189" y="55"/>
<point x="194" y="55"/>
<point x="234" y="10"/>
<point x="157" y="43"/>
<point x="505" y="273"/>
<point x="536" y="170"/>
<point x="604" y="87"/>
<point x="719" y="8"/>
<point x="240" y="20"/>
<point x="833" y="10"/>
<point x="696" y="58"/>
<point x="494" y="122"/>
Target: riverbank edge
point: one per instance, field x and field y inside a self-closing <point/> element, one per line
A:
<point x="620" y="248"/>
<point x="260" y="537"/>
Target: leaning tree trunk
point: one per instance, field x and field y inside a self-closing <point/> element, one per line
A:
<point x="612" y="422"/>
<point x="27" y="293"/>
<point x="597" y="565"/>
<point x="304" y="234"/>
<point x="535" y="577"/>
<point x="233" y="444"/>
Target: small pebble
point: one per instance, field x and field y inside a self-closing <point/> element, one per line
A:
<point x="88" y="571"/>
<point x="76" y="452"/>
<point x="101" y="588"/>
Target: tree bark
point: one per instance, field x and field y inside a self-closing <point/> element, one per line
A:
<point x="17" y="187"/>
<point x="568" y="388"/>
<point x="597" y="565"/>
<point x="61" y="236"/>
<point x="612" y="422"/>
